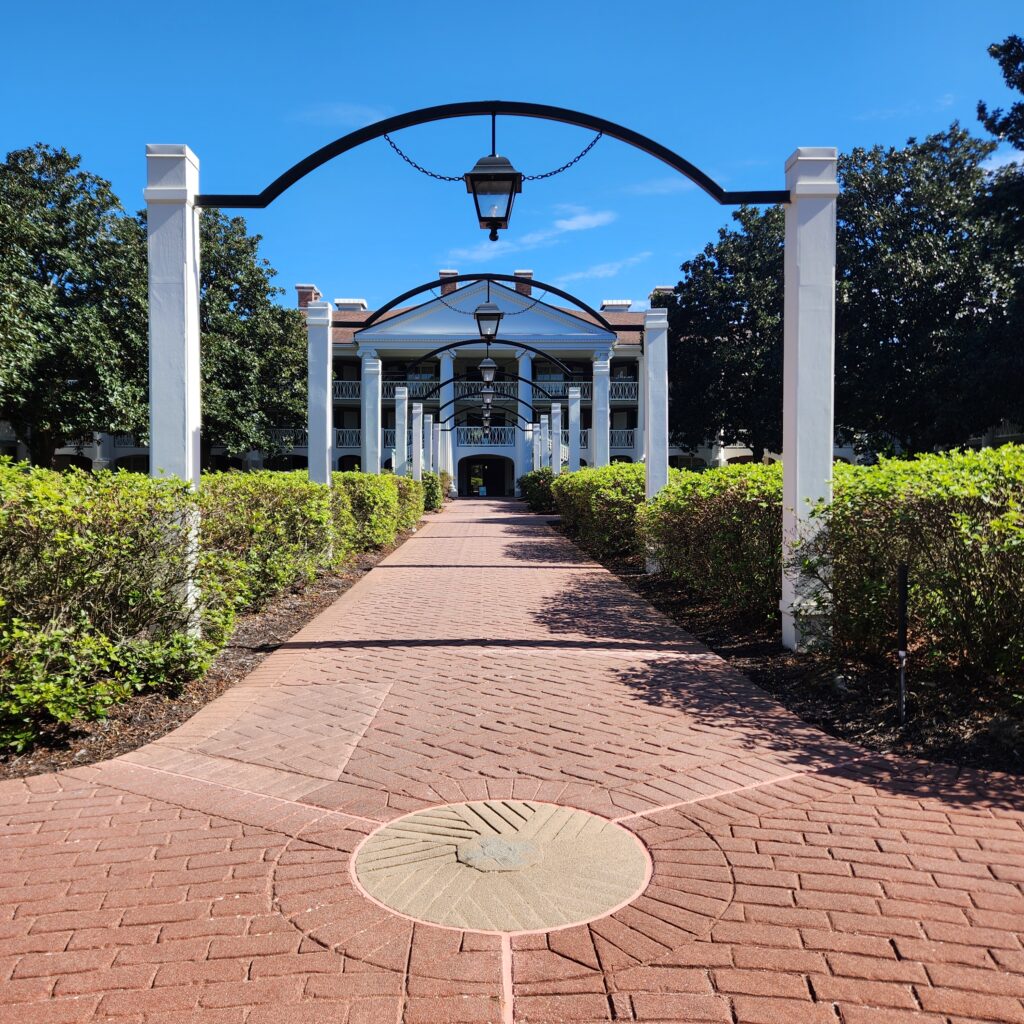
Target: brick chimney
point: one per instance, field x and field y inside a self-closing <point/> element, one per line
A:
<point x="447" y="287"/>
<point x="307" y="293"/>
<point x="523" y="282"/>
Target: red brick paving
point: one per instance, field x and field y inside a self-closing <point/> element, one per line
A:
<point x="205" y="877"/>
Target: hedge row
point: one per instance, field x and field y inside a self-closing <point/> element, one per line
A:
<point x="956" y="519"/>
<point x="93" y="567"/>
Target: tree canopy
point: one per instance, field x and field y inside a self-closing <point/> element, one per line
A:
<point x="73" y="331"/>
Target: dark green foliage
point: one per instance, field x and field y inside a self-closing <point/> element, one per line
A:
<point x="93" y="567"/>
<point x="433" y="492"/>
<point x="719" y="534"/>
<point x="535" y="488"/>
<point x="375" y="507"/>
<point x="957" y="520"/>
<point x="598" y="506"/>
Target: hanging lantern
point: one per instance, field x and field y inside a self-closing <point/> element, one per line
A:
<point x="488" y="316"/>
<point x="487" y="365"/>
<point x="494" y="184"/>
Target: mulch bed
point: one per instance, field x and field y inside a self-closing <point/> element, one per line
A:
<point x="948" y="720"/>
<point x="153" y="714"/>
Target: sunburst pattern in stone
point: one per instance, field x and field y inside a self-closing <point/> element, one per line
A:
<point x="502" y="865"/>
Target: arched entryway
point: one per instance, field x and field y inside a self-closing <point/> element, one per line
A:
<point x="486" y="476"/>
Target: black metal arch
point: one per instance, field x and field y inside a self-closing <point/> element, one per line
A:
<point x="457" y="278"/>
<point x="465" y="376"/>
<point x="497" y="341"/>
<point x="452" y="401"/>
<point x="446" y="111"/>
<point x="504" y="408"/>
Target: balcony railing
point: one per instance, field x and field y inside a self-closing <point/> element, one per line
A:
<point x="560" y="389"/>
<point x="584" y="438"/>
<point x="417" y="388"/>
<point x="471" y="388"/>
<point x="349" y="437"/>
<point x="297" y="437"/>
<point x="473" y="437"/>
<point x="622" y="438"/>
<point x="125" y="441"/>
<point x="623" y="390"/>
<point x="345" y="389"/>
<point x="389" y="438"/>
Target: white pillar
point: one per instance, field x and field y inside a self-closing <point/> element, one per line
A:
<point x="574" y="429"/>
<point x="320" y="407"/>
<point x="370" y="411"/>
<point x="524" y="454"/>
<point x="172" y="225"/>
<point x="535" y="445"/>
<point x="435" y="448"/>
<point x="600" y="426"/>
<point x="808" y="378"/>
<point x="656" y="406"/>
<point x="641" y="404"/>
<point x="428" y="444"/>
<point x="556" y="439"/>
<point x="401" y="431"/>
<point x="545" y="441"/>
<point x="417" y="440"/>
<point x="718" y="452"/>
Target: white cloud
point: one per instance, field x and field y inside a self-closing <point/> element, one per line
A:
<point x="943" y="102"/>
<point x="997" y="160"/>
<point x="348" y="115"/>
<point x="603" y="270"/>
<point x="667" y="186"/>
<point x="581" y="219"/>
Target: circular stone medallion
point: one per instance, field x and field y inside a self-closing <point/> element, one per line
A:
<point x="502" y="865"/>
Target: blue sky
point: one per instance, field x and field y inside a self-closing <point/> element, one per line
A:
<point x="252" y="88"/>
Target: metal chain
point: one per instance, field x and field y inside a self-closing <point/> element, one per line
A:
<point x="526" y="177"/>
<point x="575" y="160"/>
<point x="467" y="312"/>
<point x="412" y="163"/>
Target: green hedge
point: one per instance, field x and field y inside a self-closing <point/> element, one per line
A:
<point x="957" y="520"/>
<point x="599" y="506"/>
<point x="433" y="491"/>
<point x="93" y="566"/>
<point x="375" y="507"/>
<point x="535" y="488"/>
<point x="719" y="534"/>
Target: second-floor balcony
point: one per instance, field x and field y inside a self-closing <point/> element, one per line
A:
<point x="471" y="388"/>
<point x="346" y="389"/>
<point x="389" y="437"/>
<point x="560" y="389"/>
<point x="474" y="437"/>
<point x="622" y="438"/>
<point x="584" y="438"/>
<point x="416" y="388"/>
<point x="623" y="390"/>
<point x="348" y="437"/>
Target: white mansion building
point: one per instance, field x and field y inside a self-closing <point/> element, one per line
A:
<point x="606" y="365"/>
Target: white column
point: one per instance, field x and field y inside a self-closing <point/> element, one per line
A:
<point x="446" y="456"/>
<point x="435" y="448"/>
<point x="370" y="392"/>
<point x="718" y="452"/>
<point x="535" y="445"/>
<point x="556" y="438"/>
<point x="574" y="429"/>
<point x="600" y="438"/>
<point x="525" y="393"/>
<point x="417" y="440"/>
<point x="656" y="406"/>
<point x="428" y="444"/>
<point x="545" y="441"/>
<point x="641" y="403"/>
<point x="401" y="432"/>
<point x="172" y="225"/>
<point x="320" y="408"/>
<point x="808" y="378"/>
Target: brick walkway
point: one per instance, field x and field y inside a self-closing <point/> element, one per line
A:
<point x="206" y="877"/>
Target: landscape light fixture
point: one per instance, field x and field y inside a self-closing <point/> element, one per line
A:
<point x="488" y="315"/>
<point x="494" y="184"/>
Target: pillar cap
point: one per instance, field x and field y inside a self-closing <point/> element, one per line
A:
<point x="811" y="171"/>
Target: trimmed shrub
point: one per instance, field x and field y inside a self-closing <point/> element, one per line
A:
<point x="410" y="502"/>
<point x="375" y="507"/>
<point x="719" y="534"/>
<point x="598" y="506"/>
<point x="446" y="483"/>
<point x="267" y="530"/>
<point x="535" y="487"/>
<point x="957" y="520"/>
<point x="91" y="568"/>
<point x="433" y="492"/>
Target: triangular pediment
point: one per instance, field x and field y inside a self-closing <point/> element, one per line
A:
<point x="450" y="318"/>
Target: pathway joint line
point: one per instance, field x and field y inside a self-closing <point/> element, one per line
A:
<point x="744" y="789"/>
<point x="507" y="991"/>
